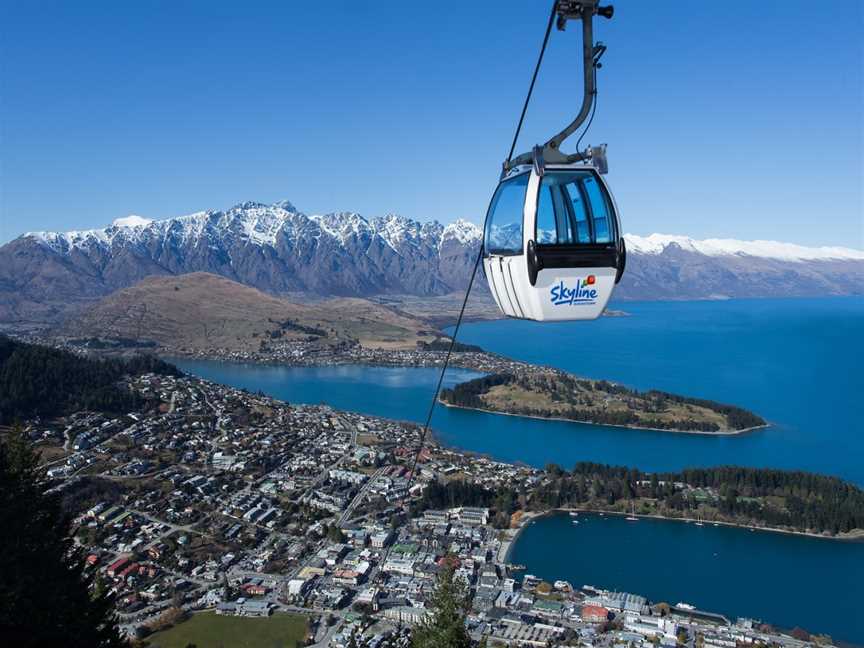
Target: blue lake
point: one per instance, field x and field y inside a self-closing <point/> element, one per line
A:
<point x="796" y="362"/>
<point x="401" y="393"/>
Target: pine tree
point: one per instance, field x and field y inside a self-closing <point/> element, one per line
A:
<point x="444" y="625"/>
<point x="46" y="598"/>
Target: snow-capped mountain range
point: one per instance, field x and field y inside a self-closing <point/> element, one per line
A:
<point x="263" y="224"/>
<point x="256" y="223"/>
<point x="658" y="243"/>
<point x="280" y="250"/>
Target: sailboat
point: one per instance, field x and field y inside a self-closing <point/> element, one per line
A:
<point x="699" y="521"/>
<point x="632" y="517"/>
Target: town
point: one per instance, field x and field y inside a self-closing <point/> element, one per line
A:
<point x="213" y="500"/>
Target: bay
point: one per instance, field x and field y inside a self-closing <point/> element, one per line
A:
<point x="781" y="579"/>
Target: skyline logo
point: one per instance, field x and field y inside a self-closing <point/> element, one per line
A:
<point x="584" y="293"/>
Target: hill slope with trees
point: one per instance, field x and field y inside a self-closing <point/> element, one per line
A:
<point x="43" y="381"/>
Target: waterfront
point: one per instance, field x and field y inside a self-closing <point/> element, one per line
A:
<point x="404" y="393"/>
<point x="785" y="580"/>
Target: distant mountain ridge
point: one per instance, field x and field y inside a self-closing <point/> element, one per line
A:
<point x="280" y="250"/>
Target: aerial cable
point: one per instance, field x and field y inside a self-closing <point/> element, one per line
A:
<point x="444" y="368"/>
<point x="434" y="402"/>
<point x="533" y="79"/>
<point x="437" y="392"/>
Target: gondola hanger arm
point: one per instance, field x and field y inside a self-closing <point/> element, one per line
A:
<point x="583" y="10"/>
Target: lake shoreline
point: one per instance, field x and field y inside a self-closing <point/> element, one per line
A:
<point x="533" y="516"/>
<point x="731" y="433"/>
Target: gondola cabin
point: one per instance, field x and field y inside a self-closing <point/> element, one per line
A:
<point x="552" y="247"/>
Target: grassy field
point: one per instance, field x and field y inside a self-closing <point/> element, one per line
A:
<point x="209" y="630"/>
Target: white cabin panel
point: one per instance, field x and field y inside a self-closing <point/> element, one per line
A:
<point x="571" y="293"/>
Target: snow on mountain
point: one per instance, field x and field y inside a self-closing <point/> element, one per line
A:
<point x="461" y="231"/>
<point x="132" y="220"/>
<point x="260" y="224"/>
<point x="658" y="243"/>
<point x="280" y="250"/>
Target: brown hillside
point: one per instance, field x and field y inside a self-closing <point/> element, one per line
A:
<point x="202" y="311"/>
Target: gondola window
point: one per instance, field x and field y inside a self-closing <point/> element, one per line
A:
<point x="504" y="224"/>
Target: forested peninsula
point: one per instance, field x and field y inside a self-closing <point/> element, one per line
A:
<point x="557" y="395"/>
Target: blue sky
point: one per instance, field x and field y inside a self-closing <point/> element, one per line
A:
<point x="722" y="119"/>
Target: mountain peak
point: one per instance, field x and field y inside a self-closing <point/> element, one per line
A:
<point x="286" y="205"/>
<point x="132" y="220"/>
<point x="462" y="230"/>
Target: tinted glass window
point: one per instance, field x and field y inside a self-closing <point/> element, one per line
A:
<point x="555" y="226"/>
<point x="578" y="212"/>
<point x="599" y="210"/>
<point x="547" y="228"/>
<point x="573" y="209"/>
<point x="504" y="222"/>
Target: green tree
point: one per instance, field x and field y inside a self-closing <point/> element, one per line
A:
<point x="47" y="596"/>
<point x="335" y="534"/>
<point x="444" y="625"/>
